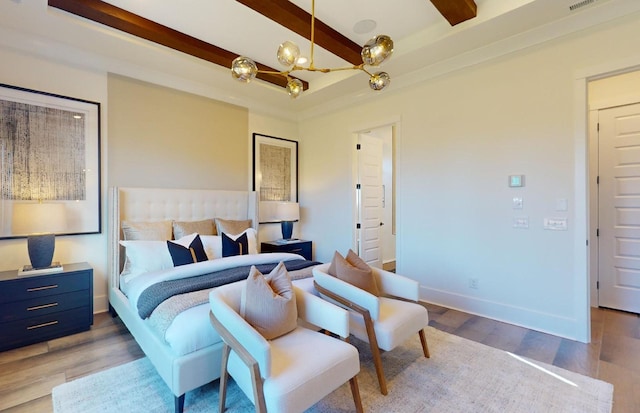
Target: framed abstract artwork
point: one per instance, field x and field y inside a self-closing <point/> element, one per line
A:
<point x="49" y="164"/>
<point x="275" y="168"/>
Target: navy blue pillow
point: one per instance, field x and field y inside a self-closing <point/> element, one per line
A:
<point x="230" y="247"/>
<point x="181" y="255"/>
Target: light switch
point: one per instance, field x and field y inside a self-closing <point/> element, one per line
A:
<point x="555" y="224"/>
<point x="517" y="203"/>
<point x="562" y="204"/>
<point x="521" y="222"/>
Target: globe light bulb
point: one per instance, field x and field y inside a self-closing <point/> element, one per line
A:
<point x="294" y="88"/>
<point x="379" y="80"/>
<point x="377" y="50"/>
<point x="243" y="69"/>
<point x="288" y="53"/>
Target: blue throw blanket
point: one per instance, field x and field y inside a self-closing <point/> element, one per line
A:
<point x="157" y="293"/>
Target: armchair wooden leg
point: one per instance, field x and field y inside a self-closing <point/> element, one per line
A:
<point x="375" y="352"/>
<point x="423" y="340"/>
<point x="223" y="378"/>
<point x="356" y="394"/>
<point x="258" y="389"/>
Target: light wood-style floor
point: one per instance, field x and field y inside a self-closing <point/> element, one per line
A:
<point x="28" y="374"/>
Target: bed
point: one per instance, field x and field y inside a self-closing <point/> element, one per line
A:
<point x="187" y="351"/>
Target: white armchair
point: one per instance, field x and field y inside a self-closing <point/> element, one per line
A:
<point x="384" y="322"/>
<point x="285" y="374"/>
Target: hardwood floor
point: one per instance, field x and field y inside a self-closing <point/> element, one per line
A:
<point x="28" y="374"/>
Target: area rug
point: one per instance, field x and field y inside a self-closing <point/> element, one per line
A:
<point x="460" y="376"/>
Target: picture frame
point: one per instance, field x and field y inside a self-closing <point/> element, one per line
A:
<point x="49" y="157"/>
<point x="275" y="168"/>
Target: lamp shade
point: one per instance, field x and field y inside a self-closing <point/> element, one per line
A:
<point x="278" y="211"/>
<point x="287" y="211"/>
<point x="38" y="218"/>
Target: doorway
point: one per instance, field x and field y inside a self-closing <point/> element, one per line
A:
<point x="375" y="197"/>
<point x="614" y="120"/>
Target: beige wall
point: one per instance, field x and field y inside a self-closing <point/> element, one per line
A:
<point x="161" y="137"/>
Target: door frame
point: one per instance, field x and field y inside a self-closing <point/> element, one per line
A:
<point x="593" y="109"/>
<point x="394" y="121"/>
<point x="586" y="212"/>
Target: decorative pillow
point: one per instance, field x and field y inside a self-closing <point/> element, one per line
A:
<point x="355" y="260"/>
<point x="360" y="276"/>
<point x="183" y="228"/>
<point x="213" y="243"/>
<point x="229" y="226"/>
<point x="212" y="246"/>
<point x="146" y="231"/>
<point x="237" y="246"/>
<point x="268" y="303"/>
<point x="186" y="250"/>
<point x="145" y="256"/>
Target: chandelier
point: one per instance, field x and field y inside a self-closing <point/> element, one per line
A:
<point x="374" y="52"/>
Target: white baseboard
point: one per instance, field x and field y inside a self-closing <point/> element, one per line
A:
<point x="565" y="327"/>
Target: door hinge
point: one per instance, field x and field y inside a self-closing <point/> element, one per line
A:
<point x="597" y="232"/>
<point x="358" y="146"/>
<point x="358" y="225"/>
<point x="357" y="186"/>
<point x="598" y="179"/>
<point x="587" y="243"/>
<point x="597" y="285"/>
<point x="598" y="127"/>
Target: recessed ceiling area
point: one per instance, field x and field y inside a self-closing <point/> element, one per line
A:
<point x="425" y="42"/>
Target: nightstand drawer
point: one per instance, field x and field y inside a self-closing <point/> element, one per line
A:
<point x="300" y="247"/>
<point x="49" y="284"/>
<point x="34" y="307"/>
<point x="44" y="327"/>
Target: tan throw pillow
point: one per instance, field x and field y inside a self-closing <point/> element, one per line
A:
<point x="355" y="260"/>
<point x="269" y="303"/>
<point x="183" y="228"/>
<point x="360" y="276"/>
<point x="146" y="231"/>
<point x="232" y="227"/>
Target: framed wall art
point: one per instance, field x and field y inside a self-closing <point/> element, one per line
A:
<point x="275" y="168"/>
<point x="49" y="163"/>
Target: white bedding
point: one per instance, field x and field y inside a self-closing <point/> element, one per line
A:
<point x="191" y="329"/>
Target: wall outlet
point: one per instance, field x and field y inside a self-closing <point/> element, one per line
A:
<point x="474" y="283"/>
<point x="555" y="224"/>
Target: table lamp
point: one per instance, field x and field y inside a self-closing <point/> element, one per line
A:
<point x="40" y="221"/>
<point x="286" y="213"/>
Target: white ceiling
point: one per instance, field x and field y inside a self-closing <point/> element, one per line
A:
<point x="425" y="44"/>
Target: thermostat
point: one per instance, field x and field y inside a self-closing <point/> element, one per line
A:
<point x="516" y="181"/>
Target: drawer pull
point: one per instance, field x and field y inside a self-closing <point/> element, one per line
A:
<point x="46" y="287"/>
<point x="50" y="323"/>
<point x="40" y="307"/>
<point x="296" y="250"/>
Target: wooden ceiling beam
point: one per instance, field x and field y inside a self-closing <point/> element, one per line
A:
<point x="456" y="11"/>
<point x="297" y="20"/>
<point x="120" y="19"/>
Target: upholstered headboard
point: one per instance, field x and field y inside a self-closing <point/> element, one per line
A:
<point x="158" y="204"/>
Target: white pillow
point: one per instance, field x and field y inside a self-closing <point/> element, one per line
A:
<point x="146" y="256"/>
<point x="213" y="243"/>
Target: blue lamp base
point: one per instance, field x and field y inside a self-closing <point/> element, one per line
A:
<point x="40" y="249"/>
<point x="287" y="229"/>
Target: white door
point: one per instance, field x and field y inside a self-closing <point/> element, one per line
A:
<point x="370" y="208"/>
<point x="619" y="208"/>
